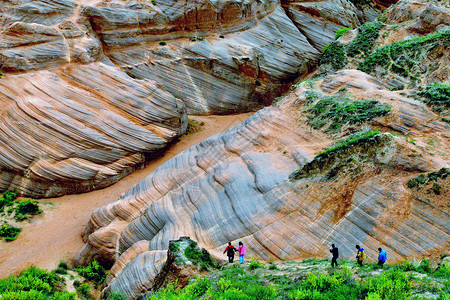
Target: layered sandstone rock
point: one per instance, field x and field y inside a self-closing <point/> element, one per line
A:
<point x="81" y="128"/>
<point x="258" y="183"/>
<point x="243" y="55"/>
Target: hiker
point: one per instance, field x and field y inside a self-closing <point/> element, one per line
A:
<point x="230" y="252"/>
<point x="241" y="251"/>
<point x="360" y="255"/>
<point x="335" y="251"/>
<point x="381" y="257"/>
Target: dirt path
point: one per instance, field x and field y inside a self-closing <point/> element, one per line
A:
<point x="56" y="236"/>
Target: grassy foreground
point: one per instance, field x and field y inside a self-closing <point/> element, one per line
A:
<point x="311" y="279"/>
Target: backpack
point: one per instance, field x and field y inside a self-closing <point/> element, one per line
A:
<point x="363" y="255"/>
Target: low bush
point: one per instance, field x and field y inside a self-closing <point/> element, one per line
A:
<point x="255" y="264"/>
<point x="194" y="126"/>
<point x="35" y="284"/>
<point x="402" y="57"/>
<point x="437" y="96"/>
<point x="350" y="141"/>
<point x="333" y="112"/>
<point x="24" y="208"/>
<point x="93" y="272"/>
<point x="334" y="54"/>
<point x="365" y="40"/>
<point x="424" y="179"/>
<point x="9" y="232"/>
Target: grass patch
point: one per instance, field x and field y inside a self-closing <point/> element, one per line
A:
<point x="340" y="32"/>
<point x="198" y="256"/>
<point x="255" y="264"/>
<point x="365" y="40"/>
<point x="333" y="112"/>
<point x="334" y="54"/>
<point x="424" y="179"/>
<point x="36" y="284"/>
<point x="194" y="126"/>
<point x="26" y="208"/>
<point x="349" y="141"/>
<point x="402" y="57"/>
<point x="437" y="96"/>
<point x="9" y="232"/>
<point x="93" y="272"/>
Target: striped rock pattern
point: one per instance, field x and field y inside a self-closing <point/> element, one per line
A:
<point x="81" y="128"/>
<point x="88" y="94"/>
<point x="258" y="183"/>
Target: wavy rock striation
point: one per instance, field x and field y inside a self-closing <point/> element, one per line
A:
<point x="139" y="64"/>
<point x="81" y="129"/>
<point x="258" y="183"/>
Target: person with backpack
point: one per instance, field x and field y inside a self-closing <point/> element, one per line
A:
<point x="241" y="251"/>
<point x="381" y="257"/>
<point x="335" y="251"/>
<point x="230" y="252"/>
<point x="360" y="255"/>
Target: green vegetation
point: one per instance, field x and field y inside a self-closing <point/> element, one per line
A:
<point x="255" y="264"/>
<point x="340" y="32"/>
<point x="162" y="43"/>
<point x="402" y="57"/>
<point x="347" y="283"/>
<point x="8" y="232"/>
<point x="154" y="2"/>
<point x="197" y="256"/>
<point x="424" y="179"/>
<point x="93" y="272"/>
<point x="35" y="284"/>
<point x="335" y="111"/>
<point x="334" y="54"/>
<point x="350" y="141"/>
<point x="194" y="126"/>
<point x="365" y="40"/>
<point x="222" y="36"/>
<point x="437" y="96"/>
<point x="446" y="120"/>
<point x="19" y="210"/>
<point x="24" y="208"/>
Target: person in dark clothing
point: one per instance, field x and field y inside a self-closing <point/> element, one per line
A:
<point x="230" y="252"/>
<point x="335" y="251"/>
<point x="360" y="255"/>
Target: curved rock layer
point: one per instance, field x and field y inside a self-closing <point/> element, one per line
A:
<point x="81" y="128"/>
<point x="237" y="186"/>
<point x="214" y="56"/>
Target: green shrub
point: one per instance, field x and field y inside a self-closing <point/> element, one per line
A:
<point x="93" y="272"/>
<point x="25" y="208"/>
<point x="154" y="2"/>
<point x="34" y="283"/>
<point x="334" y="54"/>
<point x="9" y="232"/>
<point x="194" y="126"/>
<point x="423" y="179"/>
<point x="350" y="141"/>
<point x="336" y="111"/>
<point x="340" y="32"/>
<point x="405" y="54"/>
<point x="393" y="284"/>
<point x="365" y="40"/>
<point x="255" y="264"/>
<point x="84" y="290"/>
<point x="10" y="195"/>
<point x="162" y="43"/>
<point x="437" y="96"/>
<point x="446" y="120"/>
<point x="222" y="36"/>
<point x="116" y="296"/>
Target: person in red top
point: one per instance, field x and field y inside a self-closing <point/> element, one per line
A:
<point x="230" y="252"/>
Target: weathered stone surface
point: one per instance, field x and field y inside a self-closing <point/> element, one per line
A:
<point x="241" y="72"/>
<point x="319" y="20"/>
<point x="44" y="12"/>
<point x="26" y="47"/>
<point x="238" y="186"/>
<point x="82" y="129"/>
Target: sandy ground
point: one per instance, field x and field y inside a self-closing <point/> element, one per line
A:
<point x="55" y="235"/>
